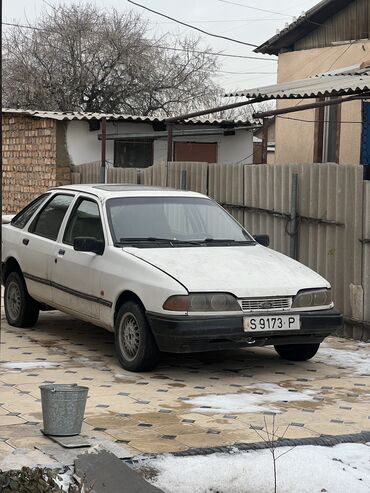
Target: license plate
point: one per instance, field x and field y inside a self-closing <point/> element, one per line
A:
<point x="270" y="323"/>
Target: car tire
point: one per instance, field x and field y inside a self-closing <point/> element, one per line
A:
<point x="297" y="352"/>
<point x="20" y="309"/>
<point x="135" y="345"/>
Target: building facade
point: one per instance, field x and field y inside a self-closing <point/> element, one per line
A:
<point x="332" y="36"/>
<point x="41" y="149"/>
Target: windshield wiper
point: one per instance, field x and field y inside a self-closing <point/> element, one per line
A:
<point x="228" y="240"/>
<point x="153" y="239"/>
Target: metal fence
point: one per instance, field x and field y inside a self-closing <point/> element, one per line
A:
<point x="330" y="233"/>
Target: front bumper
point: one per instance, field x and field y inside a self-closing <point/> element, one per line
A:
<point x="188" y="333"/>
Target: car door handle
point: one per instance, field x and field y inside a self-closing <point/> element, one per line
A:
<point x="25" y="241"/>
<point x="61" y="252"/>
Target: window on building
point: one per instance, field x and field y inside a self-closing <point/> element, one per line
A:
<point x="327" y="134"/>
<point x="133" y="154"/>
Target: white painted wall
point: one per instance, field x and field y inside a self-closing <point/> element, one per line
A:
<point x="83" y="145"/>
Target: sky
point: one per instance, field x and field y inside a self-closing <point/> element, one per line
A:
<point x="244" y="20"/>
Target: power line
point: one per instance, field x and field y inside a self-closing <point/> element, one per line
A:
<point x="11" y="24"/>
<point x="244" y="158"/>
<point x="264" y="10"/>
<point x="316" y="121"/>
<point x="193" y="27"/>
<point x="341" y="54"/>
<point x="226" y="55"/>
<point x="223" y="21"/>
<point x="245" y="73"/>
<point x="253" y="8"/>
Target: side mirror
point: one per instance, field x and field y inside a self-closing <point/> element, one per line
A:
<point x="263" y="240"/>
<point x="88" y="244"/>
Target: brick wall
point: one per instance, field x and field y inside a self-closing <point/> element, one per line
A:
<point x="29" y="160"/>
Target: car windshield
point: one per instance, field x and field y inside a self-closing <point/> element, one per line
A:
<point x="175" y="220"/>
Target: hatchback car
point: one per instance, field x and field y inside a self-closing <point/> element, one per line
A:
<point x="165" y="270"/>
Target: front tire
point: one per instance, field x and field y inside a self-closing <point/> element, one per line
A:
<point x="135" y="345"/>
<point x="20" y="309"/>
<point x="297" y="352"/>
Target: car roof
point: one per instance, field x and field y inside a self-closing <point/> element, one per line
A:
<point x="107" y="190"/>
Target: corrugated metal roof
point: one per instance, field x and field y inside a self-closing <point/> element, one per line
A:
<point x="71" y="116"/>
<point x="331" y="84"/>
<point x="302" y="26"/>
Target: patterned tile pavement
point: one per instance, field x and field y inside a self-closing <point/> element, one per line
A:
<point x="188" y="401"/>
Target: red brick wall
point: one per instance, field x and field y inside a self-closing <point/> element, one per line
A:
<point x="29" y="160"/>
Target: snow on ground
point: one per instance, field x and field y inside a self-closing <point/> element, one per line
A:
<point x="306" y="469"/>
<point x="357" y="360"/>
<point x="250" y="402"/>
<point x="29" y="365"/>
<point x="65" y="479"/>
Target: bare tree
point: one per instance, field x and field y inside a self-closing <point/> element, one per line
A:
<point x="82" y="58"/>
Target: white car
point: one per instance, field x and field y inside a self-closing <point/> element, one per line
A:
<point x="166" y="270"/>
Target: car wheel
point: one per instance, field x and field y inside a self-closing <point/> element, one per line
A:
<point x="297" y="352"/>
<point x="135" y="345"/>
<point x="20" y="309"/>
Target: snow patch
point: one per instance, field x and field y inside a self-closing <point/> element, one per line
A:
<point x="306" y="469"/>
<point x="356" y="360"/>
<point x="65" y="479"/>
<point x="249" y="402"/>
<point x="29" y="365"/>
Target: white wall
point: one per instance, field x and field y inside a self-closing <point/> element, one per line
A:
<point x="84" y="147"/>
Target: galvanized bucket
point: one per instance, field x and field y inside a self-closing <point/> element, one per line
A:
<point x="63" y="408"/>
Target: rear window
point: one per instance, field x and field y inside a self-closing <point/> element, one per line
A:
<point x="22" y="218"/>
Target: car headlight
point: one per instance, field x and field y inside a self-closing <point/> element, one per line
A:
<point x="202" y="302"/>
<point x="314" y="297"/>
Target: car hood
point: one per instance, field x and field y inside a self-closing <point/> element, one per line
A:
<point x="245" y="271"/>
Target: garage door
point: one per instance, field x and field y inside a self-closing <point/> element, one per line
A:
<point x="196" y="151"/>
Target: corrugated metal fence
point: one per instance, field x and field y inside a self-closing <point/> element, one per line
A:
<point x="333" y="207"/>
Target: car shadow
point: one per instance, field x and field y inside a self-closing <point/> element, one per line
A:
<point x="87" y="342"/>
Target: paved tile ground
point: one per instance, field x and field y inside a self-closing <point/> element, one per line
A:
<point x="188" y="401"/>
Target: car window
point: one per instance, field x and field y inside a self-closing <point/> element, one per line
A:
<point x="84" y="221"/>
<point x="182" y="218"/>
<point x="47" y="223"/>
<point x="22" y="218"/>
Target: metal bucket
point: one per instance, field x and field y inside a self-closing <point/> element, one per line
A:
<point x="63" y="408"/>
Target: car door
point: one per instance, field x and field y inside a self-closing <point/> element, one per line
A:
<point x="76" y="275"/>
<point x="38" y="245"/>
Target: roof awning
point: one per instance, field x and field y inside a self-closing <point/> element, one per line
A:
<point x="346" y="82"/>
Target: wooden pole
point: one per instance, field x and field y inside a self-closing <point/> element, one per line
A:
<point x="103" y="150"/>
<point x="310" y="106"/>
<point x="186" y="116"/>
<point x="170" y="143"/>
<point x="265" y="138"/>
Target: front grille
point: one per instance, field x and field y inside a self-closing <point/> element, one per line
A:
<point x="261" y="304"/>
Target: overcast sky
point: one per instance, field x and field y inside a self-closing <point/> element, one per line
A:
<point x="240" y="21"/>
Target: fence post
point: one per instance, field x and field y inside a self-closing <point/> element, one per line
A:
<point x="183" y="179"/>
<point x="294" y="244"/>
